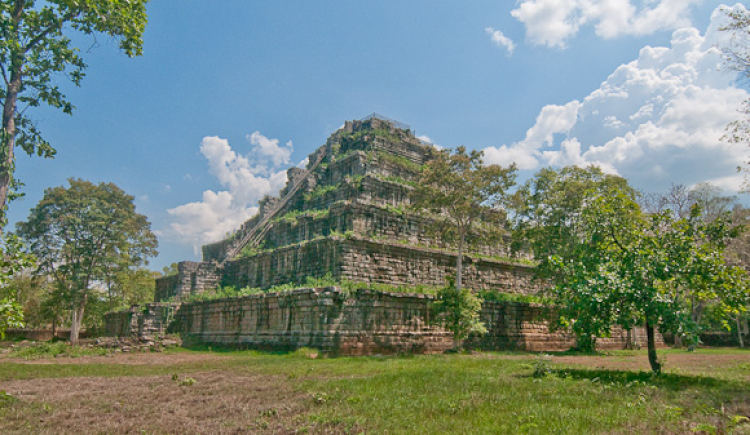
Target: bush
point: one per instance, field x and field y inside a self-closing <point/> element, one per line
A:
<point x="459" y="311"/>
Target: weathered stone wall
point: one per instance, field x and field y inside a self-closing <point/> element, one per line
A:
<point x="192" y="278"/>
<point x="121" y="323"/>
<point x="524" y="326"/>
<point x="399" y="264"/>
<point x="290" y="264"/>
<point x="367" y="220"/>
<point x="166" y="287"/>
<point x="363" y="323"/>
<point x="140" y="321"/>
<point x="363" y="260"/>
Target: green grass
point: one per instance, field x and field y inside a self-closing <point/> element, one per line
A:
<point x="56" y="349"/>
<point x="466" y="394"/>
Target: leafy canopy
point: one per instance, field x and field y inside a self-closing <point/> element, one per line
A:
<point x="35" y="48"/>
<point x="464" y="198"/>
<point x="84" y="235"/>
<point x="611" y="264"/>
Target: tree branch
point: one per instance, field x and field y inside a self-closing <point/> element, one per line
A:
<point x="58" y="25"/>
<point x="5" y="77"/>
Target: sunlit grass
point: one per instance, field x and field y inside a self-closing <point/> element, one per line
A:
<point x="473" y="394"/>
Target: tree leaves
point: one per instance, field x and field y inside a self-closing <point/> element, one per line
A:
<point x="611" y="264"/>
<point x="85" y="234"/>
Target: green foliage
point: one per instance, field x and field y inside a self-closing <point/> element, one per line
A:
<point x="346" y="286"/>
<point x="320" y="191"/>
<point x="398" y="161"/>
<point x="463" y="197"/>
<point x="11" y="315"/>
<point x="542" y="366"/>
<point x="222" y="292"/>
<point x="610" y="264"/>
<point x="496" y="296"/>
<point x="293" y="216"/>
<point x="398" y="180"/>
<point x="459" y="312"/>
<point x="6" y="399"/>
<point x="12" y="261"/>
<point x="172" y="269"/>
<point x="36" y="47"/>
<point x="85" y="235"/>
<point x="56" y="349"/>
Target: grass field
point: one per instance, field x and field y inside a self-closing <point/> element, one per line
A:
<point x="234" y="392"/>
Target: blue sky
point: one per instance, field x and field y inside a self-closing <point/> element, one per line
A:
<point x="230" y="94"/>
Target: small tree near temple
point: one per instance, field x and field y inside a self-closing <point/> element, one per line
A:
<point x="463" y="195"/>
<point x="459" y="312"/>
<point x="81" y="235"/>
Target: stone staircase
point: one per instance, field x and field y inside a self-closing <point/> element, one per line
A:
<point x="256" y="234"/>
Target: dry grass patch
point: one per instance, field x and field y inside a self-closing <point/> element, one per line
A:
<point x="216" y="403"/>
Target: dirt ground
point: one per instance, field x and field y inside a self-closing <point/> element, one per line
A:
<point x="134" y="358"/>
<point x="687" y="362"/>
<point x="225" y="403"/>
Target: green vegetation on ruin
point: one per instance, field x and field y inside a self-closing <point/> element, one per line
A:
<point x="396" y="160"/>
<point x="320" y="191"/>
<point x="292" y="217"/>
<point x="348" y="286"/>
<point x="397" y="180"/>
<point x="371" y="132"/>
<point x="345" y="285"/>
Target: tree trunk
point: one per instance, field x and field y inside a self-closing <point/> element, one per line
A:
<point x="655" y="365"/>
<point x="77" y="318"/>
<point x="9" y="130"/>
<point x="459" y="262"/>
<point x="739" y="331"/>
<point x="8" y="144"/>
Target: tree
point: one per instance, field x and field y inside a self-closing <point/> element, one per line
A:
<point x="12" y="260"/>
<point x="463" y="196"/>
<point x="679" y="202"/>
<point x="35" y="47"/>
<point x="547" y="211"/>
<point x="459" y="310"/>
<point x="82" y="235"/>
<point x="616" y="265"/>
<point x="128" y="286"/>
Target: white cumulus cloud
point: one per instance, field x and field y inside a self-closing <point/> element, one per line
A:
<point x="554" y="22"/>
<point x="500" y="39"/>
<point x="246" y="177"/>
<point x="656" y="120"/>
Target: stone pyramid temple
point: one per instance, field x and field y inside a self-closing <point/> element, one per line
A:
<point x="346" y="214"/>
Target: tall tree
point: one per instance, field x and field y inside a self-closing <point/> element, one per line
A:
<point x="35" y="48"/>
<point x="463" y="196"/>
<point x="611" y="264"/>
<point x="83" y="234"/>
<point x="548" y="211"/>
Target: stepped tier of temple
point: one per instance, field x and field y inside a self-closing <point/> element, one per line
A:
<point x="346" y="214"/>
